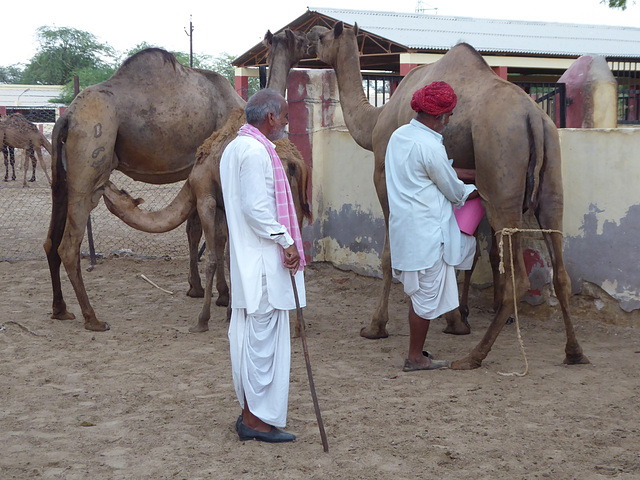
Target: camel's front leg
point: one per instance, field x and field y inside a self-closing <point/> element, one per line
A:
<point x="207" y="212"/>
<point x="221" y="235"/>
<point x="194" y="234"/>
<point x="378" y="326"/>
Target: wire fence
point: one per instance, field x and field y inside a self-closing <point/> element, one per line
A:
<point x="25" y="214"/>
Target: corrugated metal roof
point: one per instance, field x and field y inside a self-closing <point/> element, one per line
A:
<point x="12" y="95"/>
<point x="421" y="31"/>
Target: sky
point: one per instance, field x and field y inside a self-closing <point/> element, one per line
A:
<point x="233" y="27"/>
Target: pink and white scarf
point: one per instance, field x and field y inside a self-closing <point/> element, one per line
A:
<point x="284" y="200"/>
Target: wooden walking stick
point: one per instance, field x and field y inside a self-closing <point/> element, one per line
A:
<point x="323" y="435"/>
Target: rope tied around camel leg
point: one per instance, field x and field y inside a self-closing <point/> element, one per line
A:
<point x="509" y="233"/>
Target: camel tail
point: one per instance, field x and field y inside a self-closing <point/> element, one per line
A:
<point x="303" y="181"/>
<point x="125" y="207"/>
<point x="535" y="132"/>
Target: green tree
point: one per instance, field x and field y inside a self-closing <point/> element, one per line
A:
<point x="621" y="4"/>
<point x="62" y="52"/>
<point x="10" y="74"/>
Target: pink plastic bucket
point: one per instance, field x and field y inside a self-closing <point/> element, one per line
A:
<point x="469" y="215"/>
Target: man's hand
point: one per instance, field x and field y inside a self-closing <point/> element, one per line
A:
<point x="292" y="259"/>
<point x="473" y="195"/>
<point x="467" y="175"/>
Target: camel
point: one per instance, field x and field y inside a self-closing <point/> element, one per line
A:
<point x="18" y="132"/>
<point x="202" y="191"/>
<point x="497" y="130"/>
<point x="147" y="121"/>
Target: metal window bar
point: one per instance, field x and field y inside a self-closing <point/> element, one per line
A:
<point x="627" y="75"/>
<point x="379" y="88"/>
<point x="551" y="97"/>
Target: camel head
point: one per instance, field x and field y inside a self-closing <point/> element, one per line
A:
<point x="324" y="43"/>
<point x="293" y="45"/>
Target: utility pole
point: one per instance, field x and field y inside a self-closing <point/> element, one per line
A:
<point x="190" y="35"/>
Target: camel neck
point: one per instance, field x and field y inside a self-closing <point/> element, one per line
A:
<point x="359" y="115"/>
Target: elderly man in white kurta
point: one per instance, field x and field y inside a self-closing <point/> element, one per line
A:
<point x="426" y="243"/>
<point x="263" y="258"/>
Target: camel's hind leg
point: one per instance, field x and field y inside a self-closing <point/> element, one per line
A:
<point x="42" y="165"/>
<point x="54" y="237"/>
<point x="90" y="159"/>
<point x="479" y="353"/>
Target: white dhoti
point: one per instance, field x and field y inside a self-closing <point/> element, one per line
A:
<point x="260" y="348"/>
<point x="434" y="291"/>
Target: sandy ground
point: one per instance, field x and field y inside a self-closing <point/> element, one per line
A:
<point x="148" y="400"/>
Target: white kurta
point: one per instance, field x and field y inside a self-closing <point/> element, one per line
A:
<point x="422" y="188"/>
<point x="261" y="291"/>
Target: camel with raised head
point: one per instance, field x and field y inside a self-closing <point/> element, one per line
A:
<point x="147" y="121"/>
<point x="497" y="130"/>
<point x="18" y="132"/>
<point x="202" y="191"/>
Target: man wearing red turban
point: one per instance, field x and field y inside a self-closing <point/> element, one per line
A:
<point x="426" y="243"/>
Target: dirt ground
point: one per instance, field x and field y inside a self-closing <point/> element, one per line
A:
<point x="148" y="400"/>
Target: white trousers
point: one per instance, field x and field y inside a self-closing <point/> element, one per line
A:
<point x="260" y="348"/>
<point x="434" y="291"/>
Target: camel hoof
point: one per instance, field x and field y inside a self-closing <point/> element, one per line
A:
<point x="578" y="359"/>
<point x="457" y="328"/>
<point x="97" y="327"/>
<point x="222" y="301"/>
<point x="367" y="332"/>
<point x="199" y="328"/>
<point x="194" y="292"/>
<point x="465" y="363"/>
<point x="65" y="315"/>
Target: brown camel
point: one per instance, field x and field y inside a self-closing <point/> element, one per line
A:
<point x="18" y="132"/>
<point x="147" y="121"/>
<point x="203" y="192"/>
<point x="497" y="130"/>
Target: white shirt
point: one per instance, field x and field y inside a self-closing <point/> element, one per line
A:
<point x="422" y="188"/>
<point x="255" y="236"/>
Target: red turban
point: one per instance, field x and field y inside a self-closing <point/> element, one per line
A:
<point x="434" y="99"/>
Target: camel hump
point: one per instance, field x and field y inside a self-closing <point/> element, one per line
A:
<point x="148" y="55"/>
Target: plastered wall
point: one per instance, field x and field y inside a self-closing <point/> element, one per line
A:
<point x="601" y="177"/>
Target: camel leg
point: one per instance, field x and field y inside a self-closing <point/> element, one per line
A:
<point x="78" y="210"/>
<point x="42" y="165"/>
<point x="9" y="157"/>
<point x="221" y="235"/>
<point x="457" y="320"/>
<point x="52" y="242"/>
<point x="479" y="353"/>
<point x="378" y="326"/>
<point x="34" y="162"/>
<point x="207" y="212"/>
<point x="28" y="154"/>
<point x="498" y="280"/>
<point x="194" y="234"/>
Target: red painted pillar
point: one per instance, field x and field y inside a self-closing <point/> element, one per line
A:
<point x="3" y="110"/>
<point x="406" y="68"/>
<point x="501" y="72"/>
<point x="242" y="86"/>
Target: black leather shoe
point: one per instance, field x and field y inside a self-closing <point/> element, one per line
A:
<point x="238" y="422"/>
<point x="274" y="436"/>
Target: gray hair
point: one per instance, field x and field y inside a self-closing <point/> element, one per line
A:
<point x="261" y="104"/>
